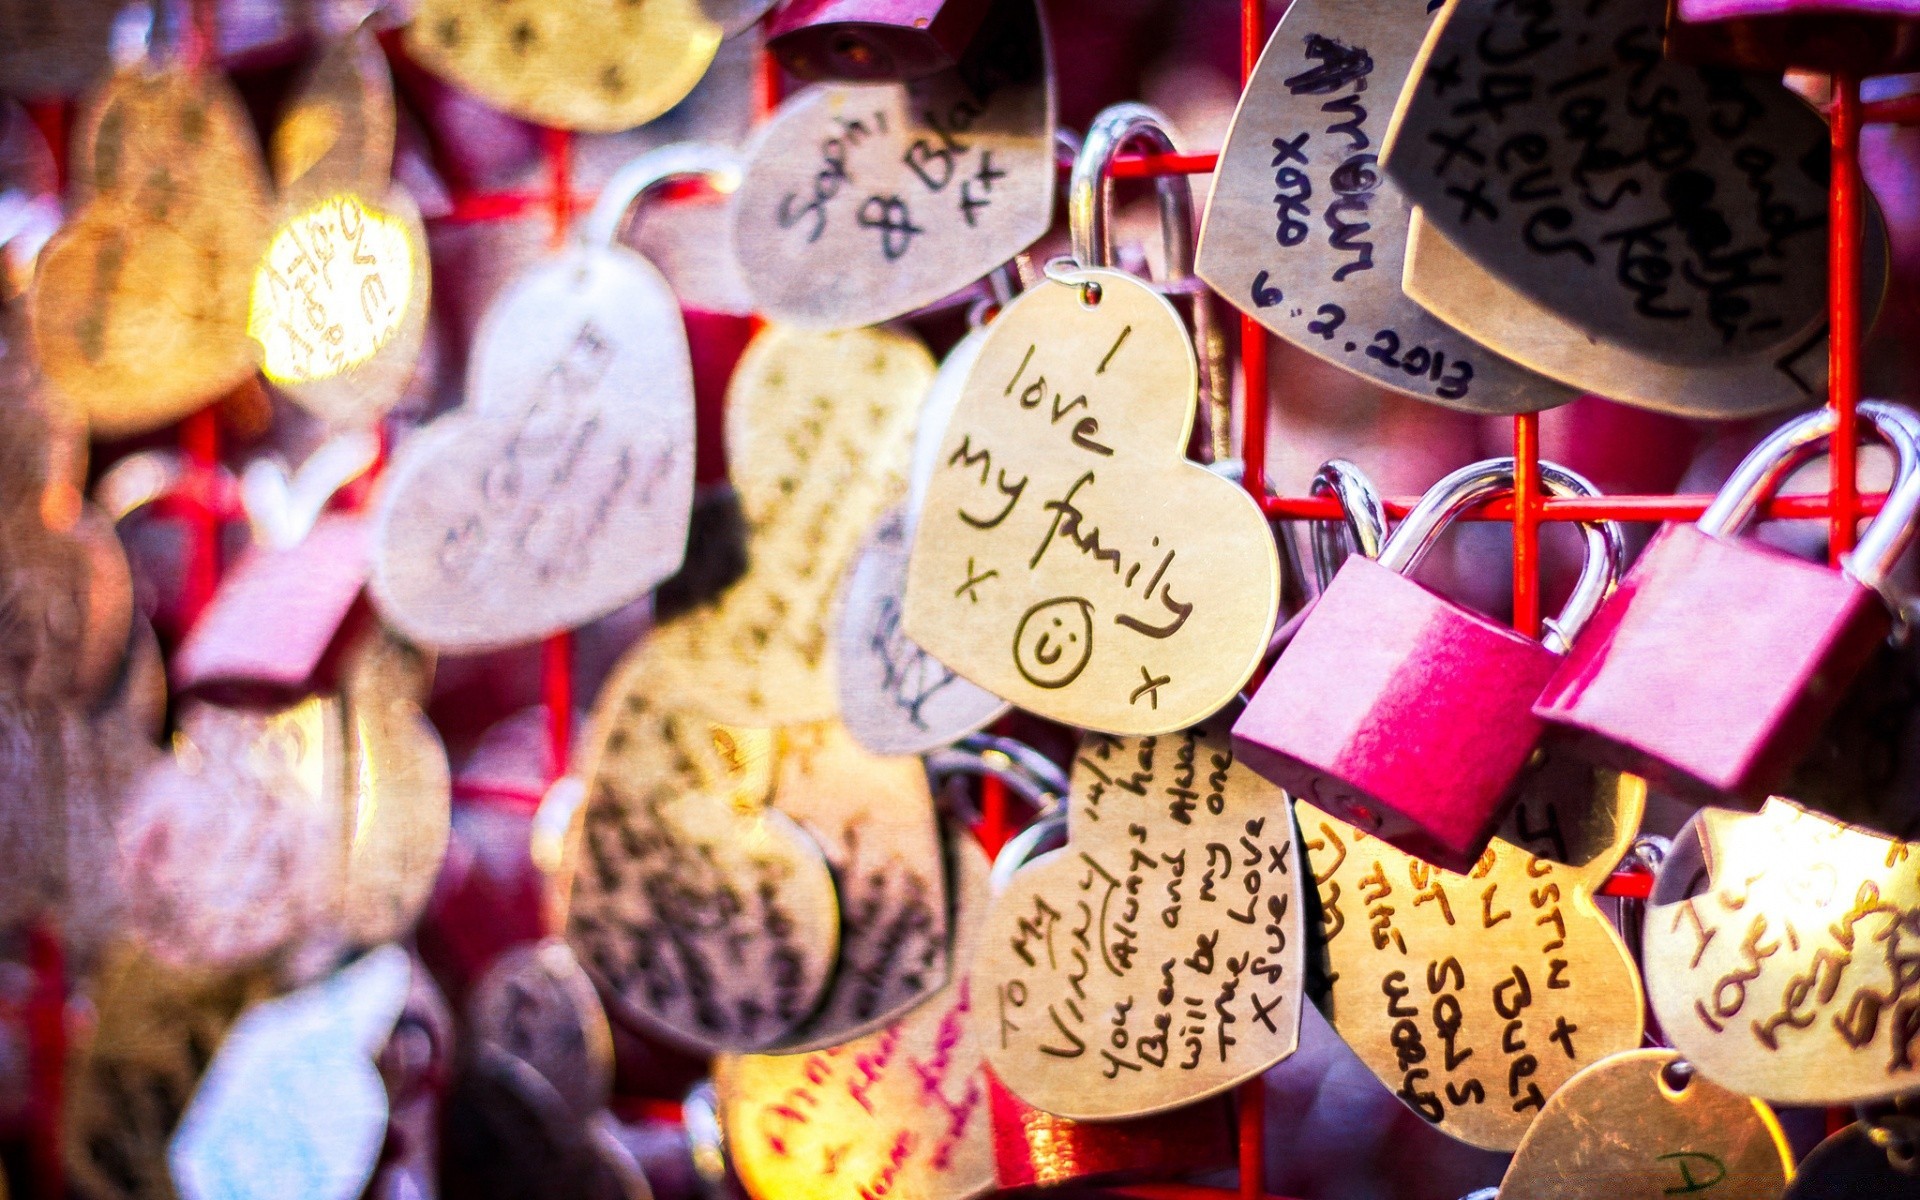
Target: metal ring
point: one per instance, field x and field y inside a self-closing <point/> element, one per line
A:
<point x="1364" y="514"/>
<point x="1031" y="774"/>
<point x="1089" y="189"/>
<point x="707" y="1139"/>
<point x="1022" y="846"/>
<point x="717" y="166"/>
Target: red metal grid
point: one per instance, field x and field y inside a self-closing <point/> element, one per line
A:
<point x="1842" y="505"/>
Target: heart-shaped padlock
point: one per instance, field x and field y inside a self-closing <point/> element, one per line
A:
<point x="1068" y="557"/>
<point x="139" y="306"/>
<point x="599" y="66"/>
<point x="1307" y="235"/>
<point x="1162" y="946"/>
<point x="1676" y="215"/>
<point x="570" y="471"/>
<point x="339" y="303"/>
<point x="864" y="202"/>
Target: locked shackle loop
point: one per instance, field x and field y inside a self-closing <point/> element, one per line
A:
<point x="1362" y="528"/>
<point x="1032" y="775"/>
<point x="1021" y="847"/>
<point x="1090" y="190"/>
<point x="1791" y="446"/>
<point x="1478" y="482"/>
<point x="716" y="166"/>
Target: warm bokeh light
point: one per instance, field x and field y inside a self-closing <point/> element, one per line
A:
<point x="332" y="289"/>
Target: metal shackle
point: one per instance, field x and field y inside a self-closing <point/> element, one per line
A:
<point x="716" y="166"/>
<point x="1031" y="774"/>
<point x="1802" y="439"/>
<point x="1363" y="523"/>
<point x="1090" y="191"/>
<point x="1022" y="847"/>
<point x="1477" y="482"/>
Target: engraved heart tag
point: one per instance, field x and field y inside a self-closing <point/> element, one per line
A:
<point x="1306" y="234"/>
<point x="708" y="917"/>
<point x="1068" y="557"/>
<point x="1161" y="947"/>
<point x="874" y="820"/>
<point x="339" y="303"/>
<point x="1475" y="997"/>
<point x="863" y="202"/>
<point x="1678" y="213"/>
<point x="562" y="490"/>
<point x="599" y="66"/>
<point x="1775" y="955"/>
<point x="231" y="847"/>
<point x="904" y="1108"/>
<point x="894" y="696"/>
<point x="819" y="433"/>
<point x="1643" y="1123"/>
<point x="139" y="307"/>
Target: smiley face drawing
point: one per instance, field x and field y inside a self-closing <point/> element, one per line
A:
<point x="1054" y="641"/>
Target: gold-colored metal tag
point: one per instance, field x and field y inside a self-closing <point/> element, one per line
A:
<point x="1158" y="957"/>
<point x="1776" y="957"/>
<point x="863" y="202"/>
<point x="538" y="1004"/>
<point x="139" y="307"/>
<point x="338" y="130"/>
<point x="399" y="789"/>
<point x="339" y="303"/>
<point x="1475" y="997"/>
<point x="819" y="432"/>
<point x="231" y="848"/>
<point x="562" y="489"/>
<point x="709" y="917"/>
<point x="1306" y="234"/>
<point x="1458" y="290"/>
<point x="1068" y="557"/>
<point x="1641" y="1125"/>
<point x="598" y="66"/>
<point x="1868" y="1158"/>
<point x="1677" y="213"/>
<point x="157" y="1029"/>
<point x="896" y="698"/>
<point x="901" y="1112"/>
<point x="874" y="819"/>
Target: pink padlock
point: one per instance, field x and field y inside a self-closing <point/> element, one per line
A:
<point x="862" y="40"/>
<point x="1404" y="713"/>
<point x="1714" y="666"/>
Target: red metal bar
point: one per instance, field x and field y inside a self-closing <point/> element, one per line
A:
<point x="47" y="1057"/>
<point x="1253" y="1141"/>
<point x="1152" y="166"/>
<point x="993" y="816"/>
<point x="1555" y="508"/>
<point x="1843" y="299"/>
<point x="1628" y="885"/>
<point x="1902" y="110"/>
<point x="200" y="441"/>
<point x="556" y="685"/>
<point x="1526" y="524"/>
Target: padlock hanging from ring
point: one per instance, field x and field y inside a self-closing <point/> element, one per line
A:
<point x="1404" y="713"/>
<point x="1717" y="662"/>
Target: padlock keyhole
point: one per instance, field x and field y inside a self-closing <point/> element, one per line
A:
<point x="854" y="55"/>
